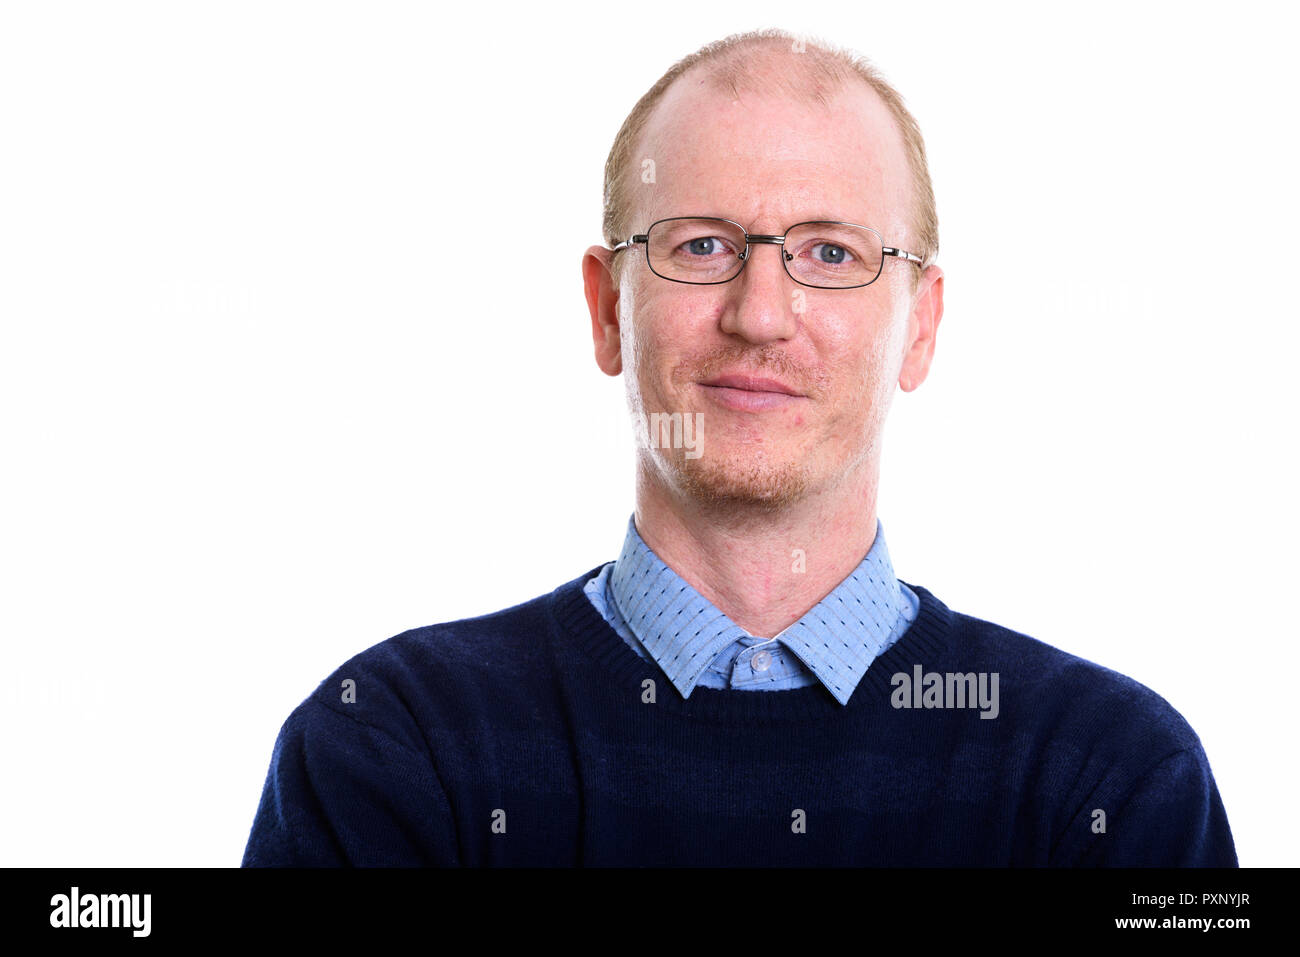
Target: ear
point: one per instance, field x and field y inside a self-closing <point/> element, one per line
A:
<point x="922" y="327"/>
<point x="602" y="300"/>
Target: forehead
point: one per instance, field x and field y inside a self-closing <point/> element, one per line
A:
<point x="769" y="159"/>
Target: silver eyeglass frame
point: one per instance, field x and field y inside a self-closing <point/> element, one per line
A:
<point x="754" y="238"/>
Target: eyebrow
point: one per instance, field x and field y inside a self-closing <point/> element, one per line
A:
<point x="812" y="218"/>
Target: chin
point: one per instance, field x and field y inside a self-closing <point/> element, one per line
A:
<point x="730" y="483"/>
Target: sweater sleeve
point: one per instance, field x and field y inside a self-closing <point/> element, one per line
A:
<point x="341" y="792"/>
<point x="1171" y="817"/>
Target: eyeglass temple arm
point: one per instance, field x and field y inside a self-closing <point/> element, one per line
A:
<point x="901" y="254"/>
<point x="638" y="238"/>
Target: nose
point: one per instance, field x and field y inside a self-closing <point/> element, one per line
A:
<point x="761" y="300"/>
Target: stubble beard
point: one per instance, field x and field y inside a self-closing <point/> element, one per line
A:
<point x="738" y="480"/>
<point x="728" y="483"/>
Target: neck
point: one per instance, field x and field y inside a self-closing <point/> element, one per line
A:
<point x="746" y="561"/>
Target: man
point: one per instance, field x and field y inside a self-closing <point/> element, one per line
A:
<point x="748" y="683"/>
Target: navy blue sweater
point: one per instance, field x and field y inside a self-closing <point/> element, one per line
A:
<point x="535" y="736"/>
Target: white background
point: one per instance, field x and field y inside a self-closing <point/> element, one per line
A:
<point x="295" y="357"/>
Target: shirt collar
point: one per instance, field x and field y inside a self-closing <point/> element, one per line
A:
<point x="684" y="632"/>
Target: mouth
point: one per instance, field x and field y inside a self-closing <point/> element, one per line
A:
<point x="746" y="393"/>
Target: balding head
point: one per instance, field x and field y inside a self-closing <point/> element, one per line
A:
<point x="769" y="64"/>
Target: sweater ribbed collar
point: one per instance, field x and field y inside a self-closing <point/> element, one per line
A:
<point x="586" y="643"/>
<point x="837" y="639"/>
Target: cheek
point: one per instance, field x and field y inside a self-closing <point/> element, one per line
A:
<point x="633" y="326"/>
<point x="648" y="331"/>
<point x="865" y="376"/>
<point x="658" y="333"/>
<point x="864" y="349"/>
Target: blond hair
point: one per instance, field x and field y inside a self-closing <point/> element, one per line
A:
<point x="825" y="69"/>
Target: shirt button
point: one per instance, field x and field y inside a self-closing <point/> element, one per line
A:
<point x="761" y="661"/>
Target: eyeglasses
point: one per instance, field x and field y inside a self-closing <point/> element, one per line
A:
<point x="704" y="250"/>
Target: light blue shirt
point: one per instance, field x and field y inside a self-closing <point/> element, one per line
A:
<point x="664" y="619"/>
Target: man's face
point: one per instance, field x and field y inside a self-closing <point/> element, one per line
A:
<point x="768" y="163"/>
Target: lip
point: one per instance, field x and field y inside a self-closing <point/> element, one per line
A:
<point x="746" y="393"/>
<point x="749" y="383"/>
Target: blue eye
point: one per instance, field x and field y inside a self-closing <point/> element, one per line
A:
<point x="705" y="246"/>
<point x="831" y="254"/>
